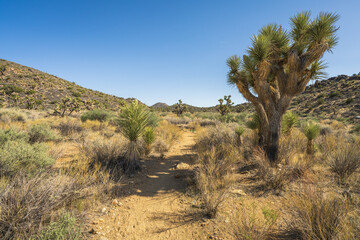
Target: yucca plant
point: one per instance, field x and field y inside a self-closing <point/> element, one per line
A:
<point x="239" y="131"/>
<point x="311" y="132"/>
<point x="132" y="121"/>
<point x="289" y="121"/>
<point x="149" y="138"/>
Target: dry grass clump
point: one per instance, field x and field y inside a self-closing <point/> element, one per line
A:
<point x="278" y="177"/>
<point x="69" y="127"/>
<point x="250" y="222"/>
<point x="166" y="136"/>
<point x="12" y="115"/>
<point x="26" y="203"/>
<point x="107" y="154"/>
<point x="215" y="136"/>
<point x="291" y="145"/>
<point x="342" y="156"/>
<point x="213" y="178"/>
<point x="178" y="120"/>
<point x="317" y="216"/>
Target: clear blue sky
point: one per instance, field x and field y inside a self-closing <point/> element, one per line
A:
<point x="156" y="51"/>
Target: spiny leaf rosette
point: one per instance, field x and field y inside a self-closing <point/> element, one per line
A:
<point x="278" y="66"/>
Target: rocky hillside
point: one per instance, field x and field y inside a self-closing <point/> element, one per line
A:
<point x="337" y="98"/>
<point x="26" y="87"/>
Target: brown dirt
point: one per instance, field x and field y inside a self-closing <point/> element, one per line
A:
<point x="155" y="205"/>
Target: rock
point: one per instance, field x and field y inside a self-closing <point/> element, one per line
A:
<point x="238" y="192"/>
<point x="103" y="210"/>
<point x="92" y="231"/>
<point x="183" y="166"/>
<point x="115" y="202"/>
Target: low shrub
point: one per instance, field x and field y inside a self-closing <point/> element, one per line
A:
<point x="41" y="133"/>
<point x="316" y="216"/>
<point x="69" y="127"/>
<point x="12" y="134"/>
<point x="213" y="137"/>
<point x="349" y="100"/>
<point x="213" y="179"/>
<point x="248" y="221"/>
<point x="16" y="156"/>
<point x="342" y="156"/>
<point x="168" y="133"/>
<point x="149" y="138"/>
<point x="26" y="204"/>
<point x="12" y="115"/>
<point x="97" y="114"/>
<point x="63" y="228"/>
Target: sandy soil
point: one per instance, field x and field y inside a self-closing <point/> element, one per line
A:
<point x="154" y="204"/>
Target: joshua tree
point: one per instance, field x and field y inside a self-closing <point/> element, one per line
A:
<point x="180" y="108"/>
<point x="132" y="121"/>
<point x="68" y="104"/>
<point x="278" y="66"/>
<point x="224" y="108"/>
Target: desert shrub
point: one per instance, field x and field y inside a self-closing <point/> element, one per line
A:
<point x="106" y="154"/>
<point x="161" y="147"/>
<point x="334" y="94"/>
<point x="9" y="89"/>
<point x="69" y="127"/>
<point x="149" y="138"/>
<point x="349" y="100"/>
<point x="213" y="179"/>
<point x="250" y="222"/>
<point x="153" y="120"/>
<point x="62" y="229"/>
<point x="12" y="134"/>
<point x="254" y="122"/>
<point x="342" y="156"/>
<point x="320" y="101"/>
<point x="289" y="121"/>
<point x="213" y="137"/>
<point x="168" y="133"/>
<point x="178" y="120"/>
<point x="317" y="216"/>
<point x="291" y="145"/>
<point x="27" y="203"/>
<point x="311" y="131"/>
<point x="12" y="115"/>
<point x="277" y="178"/>
<point x="356" y="129"/>
<point x="16" y="156"/>
<point x="97" y="114"/>
<point x="41" y="133"/>
<point x="206" y="122"/>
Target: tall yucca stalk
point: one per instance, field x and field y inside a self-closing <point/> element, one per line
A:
<point x="278" y="66"/>
<point x="132" y="122"/>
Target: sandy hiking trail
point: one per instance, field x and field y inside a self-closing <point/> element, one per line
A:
<point x="154" y="205"/>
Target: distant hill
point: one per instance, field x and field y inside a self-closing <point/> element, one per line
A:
<point x="160" y="105"/>
<point x="19" y="84"/>
<point x="336" y="97"/>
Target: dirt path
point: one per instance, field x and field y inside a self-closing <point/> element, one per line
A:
<point x="155" y="206"/>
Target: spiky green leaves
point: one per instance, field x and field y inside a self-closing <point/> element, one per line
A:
<point x="133" y="120"/>
<point x="317" y="70"/>
<point x="311" y="130"/>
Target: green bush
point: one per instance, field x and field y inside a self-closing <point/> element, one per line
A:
<point x="12" y="115"/>
<point x="289" y="121"/>
<point x="63" y="229"/>
<point x="320" y="101"/>
<point x="19" y="155"/>
<point x="334" y="94"/>
<point x="41" y="133"/>
<point x="12" y="135"/>
<point x="356" y="129"/>
<point x="349" y="100"/>
<point x="97" y="114"/>
<point x="9" y="89"/>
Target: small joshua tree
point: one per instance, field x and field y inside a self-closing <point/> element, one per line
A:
<point x="278" y="66"/>
<point x="68" y="105"/>
<point x="180" y="108"/>
<point x="289" y="121"/>
<point x="224" y="108"/>
<point x="311" y="132"/>
<point x="132" y="121"/>
<point x="239" y="131"/>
